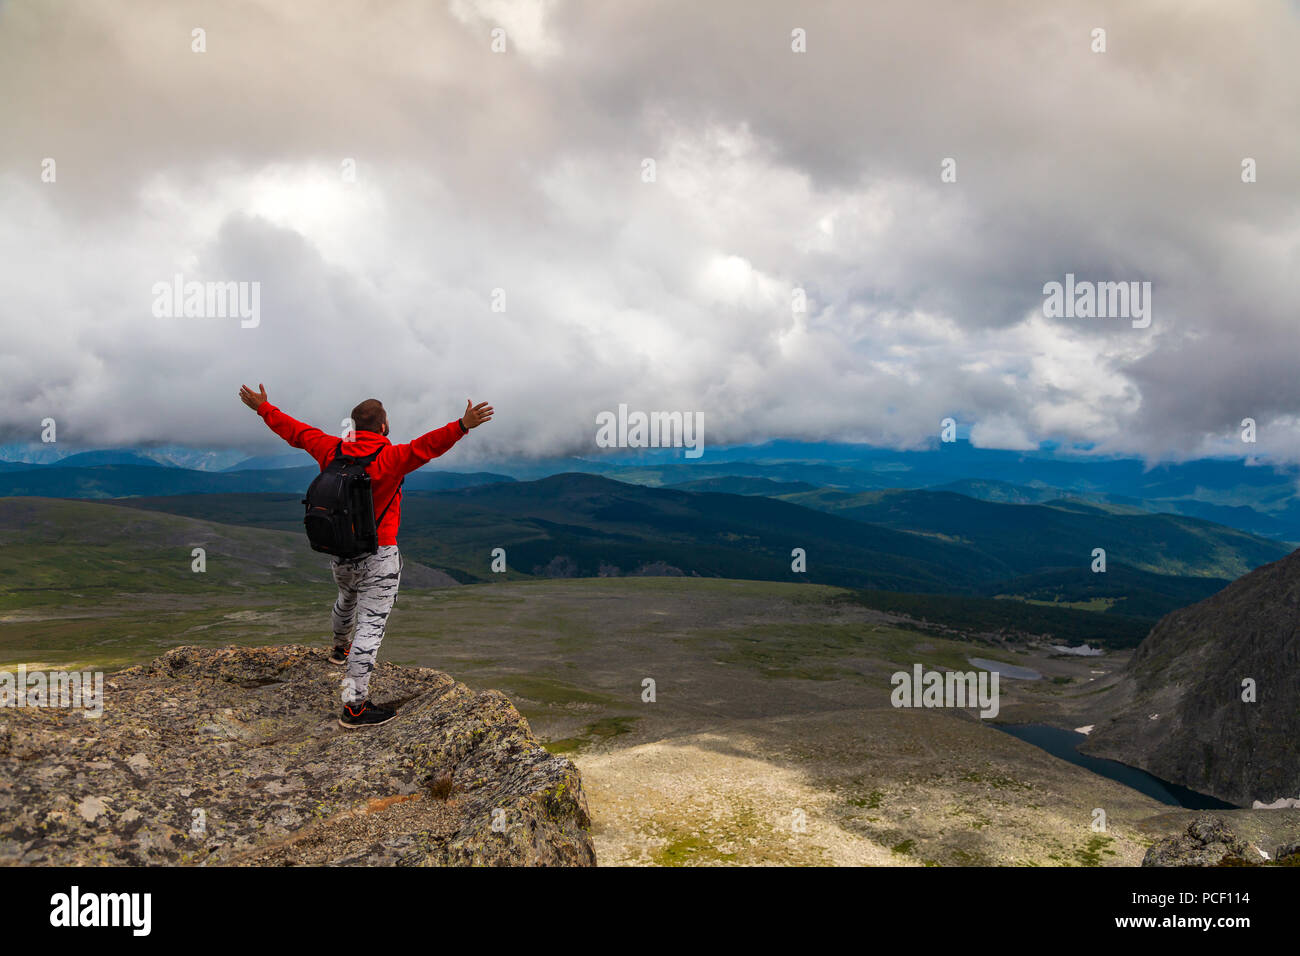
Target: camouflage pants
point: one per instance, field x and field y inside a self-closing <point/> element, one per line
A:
<point x="367" y="589"/>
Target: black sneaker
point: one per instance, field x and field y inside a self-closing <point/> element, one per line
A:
<point x="339" y="655"/>
<point x="364" y="714"/>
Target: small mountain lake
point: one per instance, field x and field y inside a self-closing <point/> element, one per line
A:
<point x="1064" y="744"/>
<point x="1012" y="671"/>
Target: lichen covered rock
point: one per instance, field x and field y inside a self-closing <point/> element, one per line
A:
<point x="235" y="756"/>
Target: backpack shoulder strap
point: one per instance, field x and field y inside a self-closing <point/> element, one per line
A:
<point x="390" y="502"/>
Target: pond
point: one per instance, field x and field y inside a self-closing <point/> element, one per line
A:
<point x="1013" y="671"/>
<point x="1065" y="743"/>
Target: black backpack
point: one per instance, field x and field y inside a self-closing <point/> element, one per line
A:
<point x="340" y="518"/>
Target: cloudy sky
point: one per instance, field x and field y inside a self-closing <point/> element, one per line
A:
<point x="774" y="170"/>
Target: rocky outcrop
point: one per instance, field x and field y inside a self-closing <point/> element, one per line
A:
<point x="1207" y="841"/>
<point x="1182" y="710"/>
<point x="234" y="756"/>
<point x="1210" y="841"/>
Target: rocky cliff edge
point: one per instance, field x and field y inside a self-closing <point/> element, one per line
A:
<point x="234" y="757"/>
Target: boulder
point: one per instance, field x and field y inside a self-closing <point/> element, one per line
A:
<point x="1207" y="841"/>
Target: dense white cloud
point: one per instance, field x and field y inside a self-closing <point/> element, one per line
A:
<point x="523" y="171"/>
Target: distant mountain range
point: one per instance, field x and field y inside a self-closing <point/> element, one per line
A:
<point x="984" y="539"/>
<point x="1023" y="561"/>
<point x="291" y="459"/>
<point x="171" y="456"/>
<point x="68" y="480"/>
<point x="1258" y="498"/>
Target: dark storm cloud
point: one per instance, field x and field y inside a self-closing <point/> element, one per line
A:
<point x="775" y="170"/>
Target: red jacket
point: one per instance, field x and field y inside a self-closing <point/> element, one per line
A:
<point x="386" y="471"/>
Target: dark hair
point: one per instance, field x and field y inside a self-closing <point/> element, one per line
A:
<point x="369" y="415"/>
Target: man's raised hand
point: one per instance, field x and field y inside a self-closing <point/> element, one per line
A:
<point x="252" y="399"/>
<point x="475" y="415"/>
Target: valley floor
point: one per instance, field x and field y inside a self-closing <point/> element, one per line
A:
<point x="771" y="738"/>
